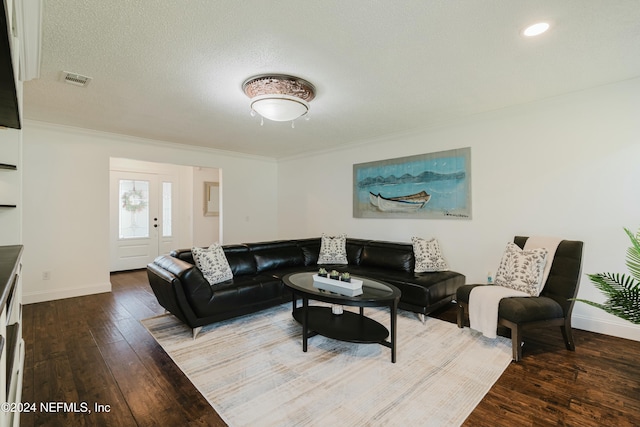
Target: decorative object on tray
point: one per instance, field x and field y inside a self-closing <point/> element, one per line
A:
<point x="345" y="277"/>
<point x="334" y="275"/>
<point x="322" y="272"/>
<point x="352" y="288"/>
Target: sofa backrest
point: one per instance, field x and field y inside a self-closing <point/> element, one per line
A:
<point x="241" y="260"/>
<point x="310" y="249"/>
<point x="277" y="254"/>
<point x="183" y="254"/>
<point x="355" y="247"/>
<point x="389" y="255"/>
<point x="253" y="258"/>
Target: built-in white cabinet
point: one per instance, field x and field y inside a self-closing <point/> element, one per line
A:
<point x="11" y="342"/>
<point x="6" y="203"/>
<point x="10" y="123"/>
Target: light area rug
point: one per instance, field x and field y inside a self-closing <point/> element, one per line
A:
<point x="252" y="370"/>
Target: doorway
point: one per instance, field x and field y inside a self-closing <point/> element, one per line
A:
<point x="158" y="207"/>
<point x="142" y="226"/>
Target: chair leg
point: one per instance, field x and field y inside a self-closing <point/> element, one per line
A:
<point x="460" y="315"/>
<point x="567" y="334"/>
<point x="516" y="342"/>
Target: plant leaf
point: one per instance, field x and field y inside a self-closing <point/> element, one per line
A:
<point x="622" y="291"/>
<point x="633" y="254"/>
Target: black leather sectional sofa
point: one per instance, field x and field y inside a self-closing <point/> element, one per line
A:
<point x="259" y="267"/>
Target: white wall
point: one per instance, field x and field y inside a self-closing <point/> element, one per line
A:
<point x="567" y="166"/>
<point x="66" y="206"/>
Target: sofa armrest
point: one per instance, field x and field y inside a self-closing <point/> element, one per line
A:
<point x="177" y="285"/>
<point x="163" y="284"/>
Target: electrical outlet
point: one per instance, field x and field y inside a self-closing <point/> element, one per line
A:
<point x="46" y="275"/>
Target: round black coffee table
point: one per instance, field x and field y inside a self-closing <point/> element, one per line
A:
<point x="347" y="326"/>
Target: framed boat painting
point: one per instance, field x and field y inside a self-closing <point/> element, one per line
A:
<point x="425" y="186"/>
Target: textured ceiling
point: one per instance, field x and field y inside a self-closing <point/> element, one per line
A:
<point x="172" y="70"/>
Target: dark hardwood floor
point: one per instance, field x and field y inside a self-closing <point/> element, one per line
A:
<point x="93" y="349"/>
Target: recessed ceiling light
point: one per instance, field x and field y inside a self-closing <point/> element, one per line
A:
<point x="536" y="29"/>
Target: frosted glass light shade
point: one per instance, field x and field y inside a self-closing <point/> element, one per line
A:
<point x="279" y="108"/>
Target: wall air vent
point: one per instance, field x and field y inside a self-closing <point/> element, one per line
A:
<point x="75" y="79"/>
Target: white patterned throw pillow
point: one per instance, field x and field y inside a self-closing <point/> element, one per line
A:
<point x="522" y="270"/>
<point x="213" y="263"/>
<point x="428" y="256"/>
<point x="333" y="250"/>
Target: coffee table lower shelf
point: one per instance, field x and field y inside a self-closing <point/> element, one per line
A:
<point x="348" y="326"/>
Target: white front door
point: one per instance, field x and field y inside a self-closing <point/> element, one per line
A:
<point x="142" y="218"/>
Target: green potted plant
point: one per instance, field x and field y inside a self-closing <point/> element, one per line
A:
<point x="322" y="272"/>
<point x="334" y="275"/>
<point x="345" y="277"/>
<point x="623" y="291"/>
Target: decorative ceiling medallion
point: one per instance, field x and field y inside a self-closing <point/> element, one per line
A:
<point x="279" y="97"/>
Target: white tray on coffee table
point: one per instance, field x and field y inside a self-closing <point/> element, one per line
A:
<point x="352" y="288"/>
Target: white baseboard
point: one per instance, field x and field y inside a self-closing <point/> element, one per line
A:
<point x="34" y="297"/>
<point x="617" y="329"/>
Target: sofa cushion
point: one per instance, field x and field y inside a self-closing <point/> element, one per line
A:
<point x="393" y="256"/>
<point x="310" y="250"/>
<point x="523" y="309"/>
<point x="522" y="270"/>
<point x="213" y="264"/>
<point x="354" y="250"/>
<point x="333" y="249"/>
<point x="428" y="255"/>
<point x="276" y="255"/>
<point x="238" y="294"/>
<point x="418" y="289"/>
<point x="240" y="260"/>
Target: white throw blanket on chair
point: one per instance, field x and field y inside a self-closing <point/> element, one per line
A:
<point x="484" y="300"/>
<point x="483" y="307"/>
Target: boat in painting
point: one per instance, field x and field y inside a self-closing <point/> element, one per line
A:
<point x="409" y="203"/>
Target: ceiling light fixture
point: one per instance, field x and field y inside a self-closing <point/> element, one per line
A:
<point x="536" y="29"/>
<point x="279" y="97"/>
